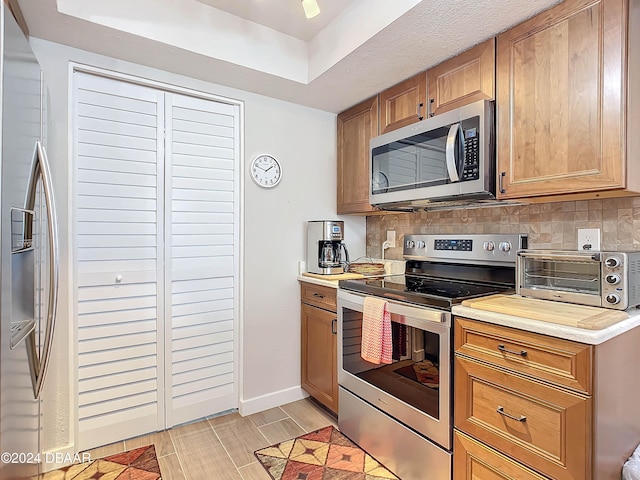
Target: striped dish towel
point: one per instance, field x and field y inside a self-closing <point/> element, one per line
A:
<point x="376" y="332"/>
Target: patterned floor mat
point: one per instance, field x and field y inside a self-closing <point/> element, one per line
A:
<point x="138" y="464"/>
<point x="325" y="454"/>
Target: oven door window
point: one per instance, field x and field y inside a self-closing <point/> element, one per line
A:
<point x="413" y="377"/>
<point x="576" y="277"/>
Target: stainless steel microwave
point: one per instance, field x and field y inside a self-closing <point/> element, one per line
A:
<point x="448" y="157"/>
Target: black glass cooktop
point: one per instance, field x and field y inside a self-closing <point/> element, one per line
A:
<point x="422" y="290"/>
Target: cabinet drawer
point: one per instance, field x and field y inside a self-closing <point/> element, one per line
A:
<point x="543" y="427"/>
<point x="319" y="295"/>
<point x="554" y="360"/>
<point x="472" y="459"/>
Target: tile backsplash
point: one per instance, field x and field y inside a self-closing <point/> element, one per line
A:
<point x="549" y="225"/>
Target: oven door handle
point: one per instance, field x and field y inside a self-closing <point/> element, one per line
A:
<point x="567" y="257"/>
<point x="425" y="318"/>
<point x="415" y="313"/>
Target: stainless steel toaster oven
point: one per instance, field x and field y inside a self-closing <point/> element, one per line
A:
<point x="600" y="279"/>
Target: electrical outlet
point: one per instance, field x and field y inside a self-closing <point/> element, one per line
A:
<point x="588" y="239"/>
<point x="391" y="238"/>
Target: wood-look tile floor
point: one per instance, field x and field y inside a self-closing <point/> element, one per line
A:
<point x="221" y="448"/>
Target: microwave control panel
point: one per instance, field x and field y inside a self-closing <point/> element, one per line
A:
<point x="471" y="168"/>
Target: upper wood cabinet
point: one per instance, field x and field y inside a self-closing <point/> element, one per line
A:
<point x="404" y="103"/>
<point x="356" y="127"/>
<point x="463" y="79"/>
<point x="561" y="103"/>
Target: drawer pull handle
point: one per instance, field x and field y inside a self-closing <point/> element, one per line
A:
<point x="522" y="353"/>
<point x="521" y="418"/>
<point x="318" y="295"/>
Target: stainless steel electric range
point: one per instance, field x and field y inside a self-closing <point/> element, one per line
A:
<point x="401" y="413"/>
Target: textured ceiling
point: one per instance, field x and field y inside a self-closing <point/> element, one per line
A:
<point x="369" y="46"/>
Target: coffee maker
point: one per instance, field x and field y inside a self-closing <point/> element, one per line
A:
<point x="326" y="254"/>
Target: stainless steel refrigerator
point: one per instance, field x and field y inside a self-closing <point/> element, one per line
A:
<point x="29" y="262"/>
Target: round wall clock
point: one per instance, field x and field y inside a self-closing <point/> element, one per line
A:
<point x="266" y="171"/>
<point x="380" y="182"/>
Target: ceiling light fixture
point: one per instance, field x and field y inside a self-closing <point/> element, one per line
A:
<point x="311" y="8"/>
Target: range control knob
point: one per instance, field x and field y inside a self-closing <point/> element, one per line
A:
<point x="612" y="262"/>
<point x="420" y="244"/>
<point x="612" y="278"/>
<point x="613" y="298"/>
<point x="410" y="244"/>
<point x="489" y="246"/>
<point x="504" y="246"/>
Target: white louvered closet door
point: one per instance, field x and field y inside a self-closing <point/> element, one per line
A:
<point x="202" y="151"/>
<point x="119" y="227"/>
<point x="156" y="260"/>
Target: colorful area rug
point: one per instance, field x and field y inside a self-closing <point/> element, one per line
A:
<point x="138" y="464"/>
<point x="325" y="454"/>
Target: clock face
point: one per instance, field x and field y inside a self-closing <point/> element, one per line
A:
<point x="380" y="182"/>
<point x="266" y="171"/>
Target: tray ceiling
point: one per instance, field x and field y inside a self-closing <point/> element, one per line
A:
<point x="351" y="51"/>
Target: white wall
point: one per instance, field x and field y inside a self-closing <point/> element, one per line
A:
<point x="304" y="141"/>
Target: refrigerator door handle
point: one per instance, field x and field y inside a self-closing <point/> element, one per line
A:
<point x="38" y="364"/>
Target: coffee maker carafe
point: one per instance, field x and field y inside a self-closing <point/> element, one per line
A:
<point x="326" y="253"/>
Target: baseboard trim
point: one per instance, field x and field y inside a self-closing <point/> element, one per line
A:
<point x="271" y="400"/>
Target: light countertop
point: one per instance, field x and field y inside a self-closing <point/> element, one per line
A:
<point x="391" y="267"/>
<point x="582" y="335"/>
<point x="591" y="337"/>
<point x="319" y="281"/>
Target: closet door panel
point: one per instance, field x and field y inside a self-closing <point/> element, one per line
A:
<point x="201" y="157"/>
<point x="117" y="220"/>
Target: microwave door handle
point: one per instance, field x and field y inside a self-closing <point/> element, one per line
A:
<point x="454" y="148"/>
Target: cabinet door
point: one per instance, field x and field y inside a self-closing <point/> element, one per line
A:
<point x="319" y="355"/>
<point x="117" y="145"/>
<point x="356" y="127"/>
<point x="560" y="101"/>
<point x="403" y="104"/>
<point x="201" y="150"/>
<point x="463" y="79"/>
<point x="473" y="460"/>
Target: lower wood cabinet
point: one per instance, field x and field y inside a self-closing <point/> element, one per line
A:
<point x="530" y="406"/>
<point x="319" y="344"/>
<point x="474" y="460"/>
<point x="541" y="425"/>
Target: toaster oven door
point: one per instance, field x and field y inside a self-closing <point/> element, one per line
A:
<point x="560" y="276"/>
